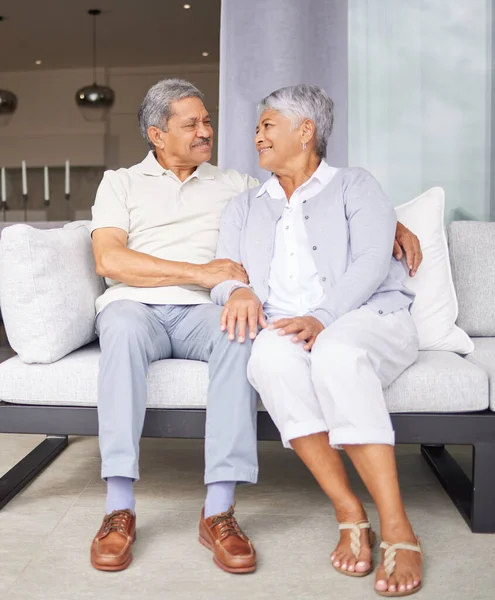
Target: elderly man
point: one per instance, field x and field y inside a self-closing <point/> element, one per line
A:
<point x="154" y="230"/>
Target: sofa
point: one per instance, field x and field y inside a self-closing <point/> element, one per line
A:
<point x="444" y="398"/>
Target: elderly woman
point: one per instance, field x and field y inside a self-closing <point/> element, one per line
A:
<point x="316" y="242"/>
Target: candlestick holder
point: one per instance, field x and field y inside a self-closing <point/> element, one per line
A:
<point x="25" y="203"/>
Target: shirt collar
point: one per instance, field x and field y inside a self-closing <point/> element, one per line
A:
<point x="150" y="166"/>
<point x="272" y="187"/>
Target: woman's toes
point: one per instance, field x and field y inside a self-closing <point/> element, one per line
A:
<point x="351" y="565"/>
<point x="362" y="566"/>
<point x="381" y="585"/>
<point x="392" y="584"/>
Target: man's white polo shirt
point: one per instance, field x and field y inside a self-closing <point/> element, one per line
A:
<point x="166" y="218"/>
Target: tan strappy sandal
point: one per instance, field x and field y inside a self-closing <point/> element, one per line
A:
<point x="356" y="545"/>
<point x="389" y="565"/>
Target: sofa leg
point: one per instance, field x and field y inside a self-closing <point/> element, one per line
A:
<point x="474" y="499"/>
<point x="483" y="504"/>
<point x="31" y="465"/>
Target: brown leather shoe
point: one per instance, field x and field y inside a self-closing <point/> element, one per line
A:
<point x="111" y="548"/>
<point x="232" y="550"/>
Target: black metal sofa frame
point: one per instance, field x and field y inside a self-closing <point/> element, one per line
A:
<point x="473" y="496"/>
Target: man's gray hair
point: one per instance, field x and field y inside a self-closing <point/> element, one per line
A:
<point x="156" y="108"/>
<point x="301" y="102"/>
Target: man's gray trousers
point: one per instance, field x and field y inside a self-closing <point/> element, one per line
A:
<point x="132" y="335"/>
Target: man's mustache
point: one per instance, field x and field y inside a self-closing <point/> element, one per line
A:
<point x="205" y="140"/>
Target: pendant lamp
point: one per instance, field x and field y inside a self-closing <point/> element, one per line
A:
<point x="94" y="101"/>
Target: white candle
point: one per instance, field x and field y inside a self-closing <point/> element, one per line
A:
<point x="24" y="179"/>
<point x="67" y="178"/>
<point x="47" y="185"/>
<point x="4" y="186"/>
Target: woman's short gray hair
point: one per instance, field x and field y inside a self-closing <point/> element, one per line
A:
<point x="155" y="109"/>
<point x="299" y="102"/>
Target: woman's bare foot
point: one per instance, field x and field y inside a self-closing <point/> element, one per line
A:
<point x="408" y="564"/>
<point x="343" y="557"/>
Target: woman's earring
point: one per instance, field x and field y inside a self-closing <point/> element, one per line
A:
<point x="304" y="146"/>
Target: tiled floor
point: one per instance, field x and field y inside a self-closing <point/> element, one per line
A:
<point x="45" y="533"/>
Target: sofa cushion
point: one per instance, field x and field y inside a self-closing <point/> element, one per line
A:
<point x="435" y="308"/>
<point x="48" y="287"/>
<point x="484" y="356"/>
<point x="73" y="381"/>
<point x="438" y="382"/>
<point x="472" y="253"/>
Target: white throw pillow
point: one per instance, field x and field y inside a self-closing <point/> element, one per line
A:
<point x="48" y="288"/>
<point x="435" y="309"/>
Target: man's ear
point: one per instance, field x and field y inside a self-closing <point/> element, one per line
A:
<point x="156" y="136"/>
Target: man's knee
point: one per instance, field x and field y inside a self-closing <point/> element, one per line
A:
<point x="123" y="319"/>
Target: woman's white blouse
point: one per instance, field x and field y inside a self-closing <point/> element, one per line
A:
<point x="294" y="284"/>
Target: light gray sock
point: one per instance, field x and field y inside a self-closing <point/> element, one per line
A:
<point x="219" y="497"/>
<point x="120" y="494"/>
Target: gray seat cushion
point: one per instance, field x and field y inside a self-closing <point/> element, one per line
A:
<point x="438" y="382"/>
<point x="484" y="356"/>
<point x="472" y="255"/>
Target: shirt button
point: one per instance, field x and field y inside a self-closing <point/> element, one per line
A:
<point x="380" y="312"/>
<point x="315" y="247"/>
<point x="287" y="227"/>
<point x="323" y="278"/>
<point x="304" y="201"/>
<point x="306" y="217"/>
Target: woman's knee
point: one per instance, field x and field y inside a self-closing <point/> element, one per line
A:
<point x="273" y="355"/>
<point x="330" y="356"/>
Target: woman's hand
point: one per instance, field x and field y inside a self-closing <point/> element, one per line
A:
<point x="306" y="328"/>
<point x="242" y="308"/>
<point x="406" y="242"/>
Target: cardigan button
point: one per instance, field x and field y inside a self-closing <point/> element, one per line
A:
<point x="306" y="217"/>
<point x="323" y="278"/>
<point x="380" y="312"/>
<point x="315" y="247"/>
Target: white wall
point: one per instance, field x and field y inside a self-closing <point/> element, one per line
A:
<point x="48" y="128"/>
<point x="419" y="98"/>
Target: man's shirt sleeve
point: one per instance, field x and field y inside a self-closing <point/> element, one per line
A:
<point x="110" y="208"/>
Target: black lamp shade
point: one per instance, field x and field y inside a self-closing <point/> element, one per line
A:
<point x="94" y="101"/>
<point x="8" y="105"/>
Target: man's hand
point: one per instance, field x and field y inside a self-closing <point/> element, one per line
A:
<point x="406" y="242"/>
<point x="244" y="308"/>
<point x="306" y="328"/>
<point x="221" y="269"/>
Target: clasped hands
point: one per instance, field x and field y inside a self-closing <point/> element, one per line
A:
<point x="245" y="310"/>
